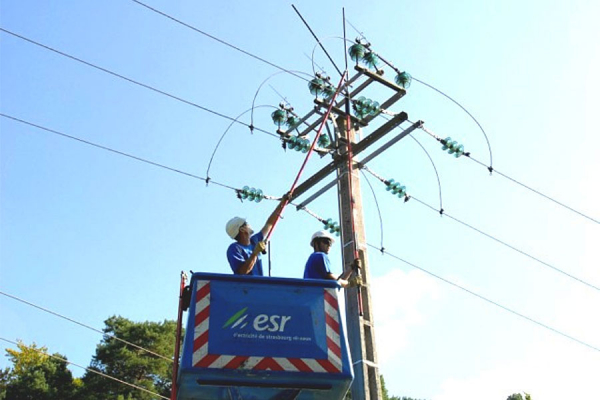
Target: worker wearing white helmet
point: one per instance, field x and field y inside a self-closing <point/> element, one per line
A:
<point x="318" y="265"/>
<point x="244" y="254"/>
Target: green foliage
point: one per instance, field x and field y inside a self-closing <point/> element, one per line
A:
<point x="384" y="393"/>
<point x="129" y="364"/>
<point x="519" y="396"/>
<point x="36" y="375"/>
<point x="4" y="380"/>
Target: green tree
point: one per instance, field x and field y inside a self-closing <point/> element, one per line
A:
<point x="129" y="364"/>
<point x="519" y="396"/>
<point x="36" y="375"/>
<point x="384" y="393"/>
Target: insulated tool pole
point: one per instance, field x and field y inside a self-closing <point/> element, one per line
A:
<point x="286" y="201"/>
<point x="178" y="338"/>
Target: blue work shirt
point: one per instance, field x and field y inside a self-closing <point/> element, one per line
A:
<point x="317" y="266"/>
<point x="237" y="254"/>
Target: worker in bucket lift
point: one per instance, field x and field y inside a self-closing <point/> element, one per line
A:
<point x="318" y="265"/>
<point x="244" y="254"/>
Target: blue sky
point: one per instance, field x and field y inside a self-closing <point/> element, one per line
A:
<point x="89" y="234"/>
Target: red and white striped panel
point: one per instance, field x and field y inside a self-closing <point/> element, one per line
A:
<point x="203" y="359"/>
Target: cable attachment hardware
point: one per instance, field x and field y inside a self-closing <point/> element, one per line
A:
<point x="320" y="85"/>
<point x="364" y="107"/>
<point x="331" y="225"/>
<point x="361" y="52"/>
<point x="324" y="141"/>
<point x="441" y="212"/>
<point x="452" y="146"/>
<point x="251" y="194"/>
<point x="403" y="79"/>
<point x="298" y="143"/>
<point x="285" y="116"/>
<point x="207" y="180"/>
<point x="397" y="189"/>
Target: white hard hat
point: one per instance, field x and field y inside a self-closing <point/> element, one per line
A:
<point x="233" y="226"/>
<point x="321" y="234"/>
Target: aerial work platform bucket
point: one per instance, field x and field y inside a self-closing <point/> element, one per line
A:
<point x="263" y="338"/>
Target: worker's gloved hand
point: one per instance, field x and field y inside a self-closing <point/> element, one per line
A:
<point x="357" y="263"/>
<point x="355" y="281"/>
<point x="260" y="247"/>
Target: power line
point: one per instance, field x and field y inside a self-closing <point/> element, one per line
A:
<point x="491" y="170"/>
<point x="437" y="175"/>
<point x="465" y="110"/>
<point x="90" y="370"/>
<point x="489" y="301"/>
<point x="207" y="180"/>
<point x="217" y="39"/>
<point x="440" y="92"/>
<point x="536" y="191"/>
<point x="378" y="209"/>
<point x="85" y="326"/>
<point x="489" y="236"/>
<point x="180" y="99"/>
<point x="441" y="211"/>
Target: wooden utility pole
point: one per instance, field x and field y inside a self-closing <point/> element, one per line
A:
<point x="359" y="311"/>
<point x="361" y="334"/>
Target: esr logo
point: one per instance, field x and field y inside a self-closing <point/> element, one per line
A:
<point x="262" y="322"/>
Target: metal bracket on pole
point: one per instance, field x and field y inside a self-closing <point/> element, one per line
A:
<point x="365" y="160"/>
<point x="357" y="148"/>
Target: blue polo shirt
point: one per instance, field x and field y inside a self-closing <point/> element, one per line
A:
<point x="317" y="266"/>
<point x="237" y="254"/>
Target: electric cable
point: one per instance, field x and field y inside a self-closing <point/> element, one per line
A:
<point x="489" y="236"/>
<point x="434" y="168"/>
<point x="491" y="170"/>
<point x="283" y="99"/>
<point x="90" y="370"/>
<point x="314" y="63"/>
<point x="258" y="90"/>
<point x="378" y="209"/>
<point x="441" y="211"/>
<point x="225" y="133"/>
<point x="437" y="175"/>
<point x="312" y="59"/>
<point x="481" y="297"/>
<point x="439" y="91"/>
<point x="270" y="197"/>
<point x="535" y="191"/>
<point x="117" y="152"/>
<point x="169" y="359"/>
<point x="218" y="40"/>
<point x="490" y="301"/>
<point x="188" y="102"/>
<point x="465" y="110"/>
